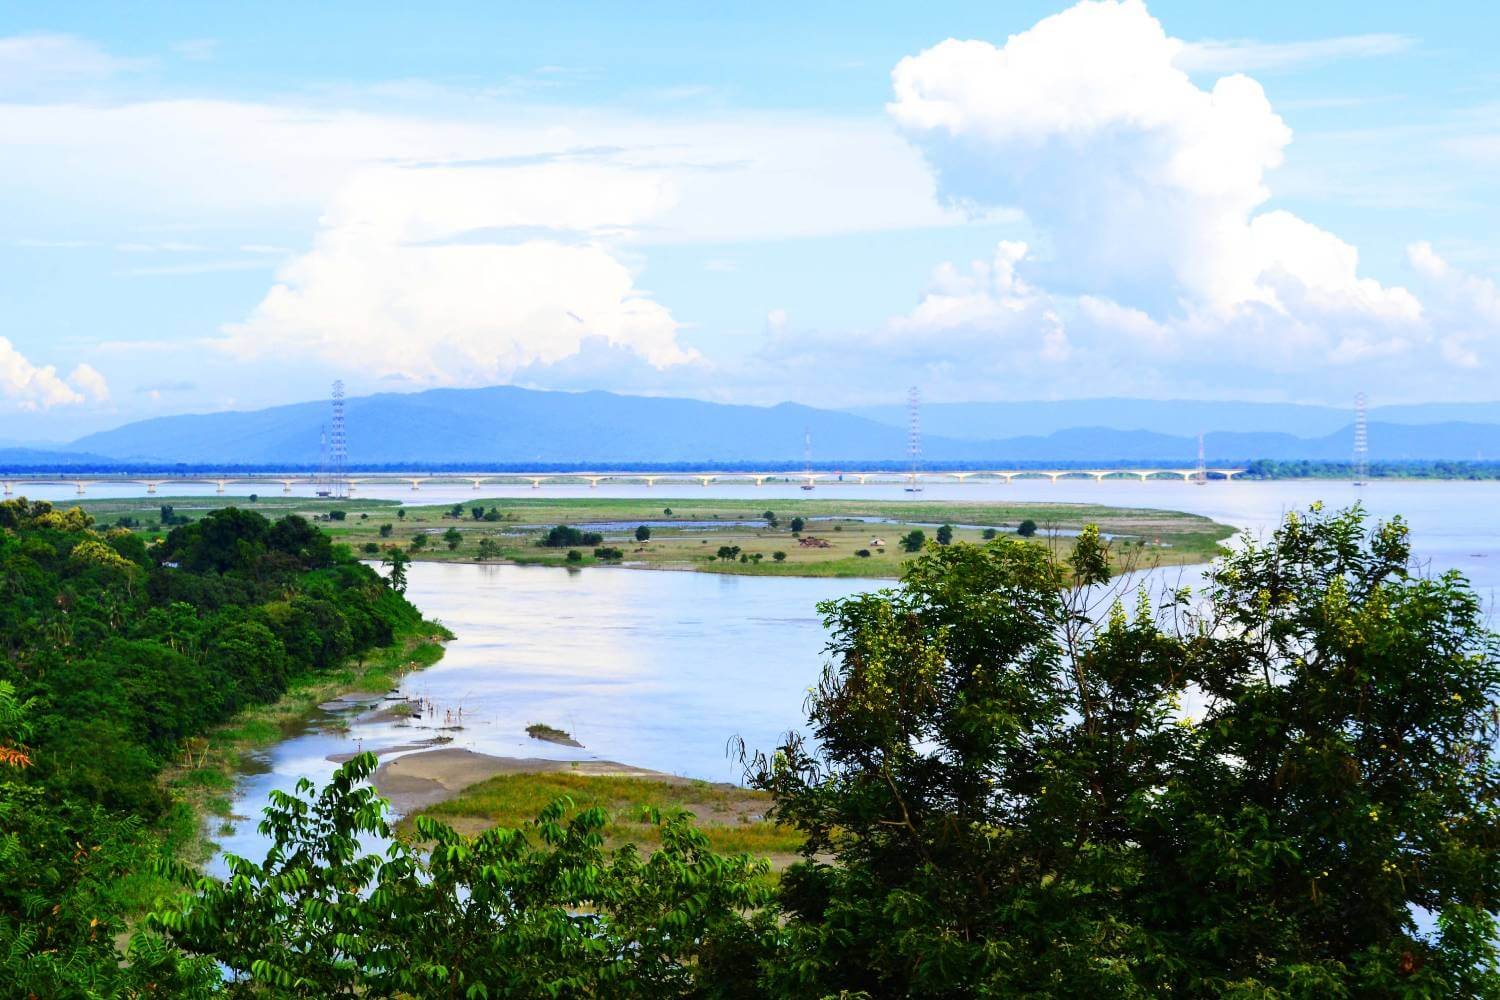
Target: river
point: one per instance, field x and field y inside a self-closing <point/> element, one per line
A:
<point x="663" y="669"/>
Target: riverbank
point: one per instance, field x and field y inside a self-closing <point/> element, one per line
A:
<point x="472" y="792"/>
<point x="202" y="782"/>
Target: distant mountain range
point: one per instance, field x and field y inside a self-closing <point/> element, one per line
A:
<point x="504" y="425"/>
<point x="1177" y="417"/>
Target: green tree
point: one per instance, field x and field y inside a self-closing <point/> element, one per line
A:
<point x="1004" y="795"/>
<point x="488" y="549"/>
<point x="770" y="519"/>
<point x="1026" y="528"/>
<point x="564" y="536"/>
<point x="396" y="560"/>
<point x="419" y="541"/>
<point x="544" y="910"/>
<point x="913" y="540"/>
<point x="643" y="533"/>
<point x="386" y="529"/>
<point x="945" y="534"/>
<point x="779" y="556"/>
<point x="457" y="510"/>
<point x="477" y="513"/>
<point x="796" y="524"/>
<point x="990" y="534"/>
<point x="453" y="537"/>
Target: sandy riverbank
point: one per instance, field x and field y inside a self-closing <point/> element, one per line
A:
<point x="418" y="780"/>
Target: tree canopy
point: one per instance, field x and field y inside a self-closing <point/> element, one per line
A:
<point x="1018" y="780"/>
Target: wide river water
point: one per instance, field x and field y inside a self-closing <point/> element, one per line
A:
<point x="663" y="669"/>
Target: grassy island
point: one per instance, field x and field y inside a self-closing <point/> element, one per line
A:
<point x="761" y="537"/>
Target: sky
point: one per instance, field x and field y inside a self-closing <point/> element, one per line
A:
<point x="227" y="206"/>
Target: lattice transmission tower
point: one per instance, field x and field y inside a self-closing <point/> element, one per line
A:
<point x="338" y="446"/>
<point x="913" y="436"/>
<point x="1361" y="440"/>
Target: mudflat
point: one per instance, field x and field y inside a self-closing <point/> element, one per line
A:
<point x="418" y="780"/>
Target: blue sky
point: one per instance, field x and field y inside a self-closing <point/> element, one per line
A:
<point x="230" y="205"/>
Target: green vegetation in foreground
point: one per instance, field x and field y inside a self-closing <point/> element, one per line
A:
<point x="733" y="819"/>
<point x="1005" y="798"/>
<point x="129" y="675"/>
<point x="1004" y="795"/>
<point x="517" y="531"/>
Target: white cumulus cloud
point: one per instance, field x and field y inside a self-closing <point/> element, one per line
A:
<point x="465" y="275"/>
<point x="31" y="387"/>
<point x="1148" y="189"/>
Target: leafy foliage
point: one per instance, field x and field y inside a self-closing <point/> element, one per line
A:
<point x="1014" y="787"/>
<point x="1007" y="797"/>
<point x="540" y="911"/>
<point x="113" y="655"/>
<point x="564" y="536"/>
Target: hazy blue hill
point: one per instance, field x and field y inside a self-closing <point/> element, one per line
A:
<point x="1179" y="418"/>
<point x="25" y="458"/>
<point x="507" y="425"/>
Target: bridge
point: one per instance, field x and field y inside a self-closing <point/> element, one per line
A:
<point x="12" y="483"/>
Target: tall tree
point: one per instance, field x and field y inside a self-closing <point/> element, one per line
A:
<point x="1013" y="792"/>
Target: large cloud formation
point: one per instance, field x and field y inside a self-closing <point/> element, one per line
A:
<point x="455" y="275"/>
<point x="1149" y="194"/>
<point x="29" y="386"/>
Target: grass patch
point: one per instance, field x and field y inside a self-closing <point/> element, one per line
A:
<point x="731" y="817"/>
<point x="542" y="731"/>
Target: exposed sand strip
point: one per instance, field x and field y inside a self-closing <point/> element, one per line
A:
<point x="422" y="779"/>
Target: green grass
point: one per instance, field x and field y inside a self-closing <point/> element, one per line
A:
<point x="729" y="816"/>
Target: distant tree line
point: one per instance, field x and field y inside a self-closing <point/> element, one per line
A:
<point x="1264" y="468"/>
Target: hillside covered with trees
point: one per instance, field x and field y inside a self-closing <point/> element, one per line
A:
<point x="112" y="655"/>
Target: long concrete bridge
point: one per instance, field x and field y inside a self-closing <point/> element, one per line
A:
<point x="351" y="482"/>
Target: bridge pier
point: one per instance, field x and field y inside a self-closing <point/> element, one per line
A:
<point x="220" y="488"/>
<point x="1098" y="476"/>
<point x="416" y="484"/>
<point x="760" y="480"/>
<point x="7" y="489"/>
<point x="286" y="486"/>
<point x="651" y="481"/>
<point x="1054" y="476"/>
<point x="962" y="477"/>
<point x="536" y="483"/>
<point x="475" y="482"/>
<point x="593" y="482"/>
<point x="150" y="487"/>
<point x="705" y="480"/>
